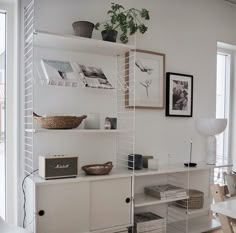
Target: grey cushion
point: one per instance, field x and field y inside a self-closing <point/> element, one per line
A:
<point x="231" y="183"/>
<point x="7" y="228"/>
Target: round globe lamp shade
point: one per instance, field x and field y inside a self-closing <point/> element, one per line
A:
<point x="211" y="126"/>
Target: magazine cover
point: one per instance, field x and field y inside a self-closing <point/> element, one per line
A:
<point x="55" y="70"/>
<point x="94" y="77"/>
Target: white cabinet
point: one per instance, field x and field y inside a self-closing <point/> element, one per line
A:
<point x="83" y="206"/>
<point x="65" y="206"/>
<point x="110" y="203"/>
<point x="178" y="219"/>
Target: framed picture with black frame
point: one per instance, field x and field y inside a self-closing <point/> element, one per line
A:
<point x="179" y="95"/>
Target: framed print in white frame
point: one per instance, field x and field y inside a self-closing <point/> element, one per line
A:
<point x="149" y="68"/>
<point x="179" y="95"/>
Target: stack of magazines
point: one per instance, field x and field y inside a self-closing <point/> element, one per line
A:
<point x="149" y="222"/>
<point x="166" y="191"/>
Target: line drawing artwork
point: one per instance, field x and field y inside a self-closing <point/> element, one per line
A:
<point x="147" y="83"/>
<point x="143" y="68"/>
<point x="147" y="90"/>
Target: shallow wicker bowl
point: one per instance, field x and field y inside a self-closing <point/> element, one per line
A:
<point x="59" y="122"/>
<point x="98" y="169"/>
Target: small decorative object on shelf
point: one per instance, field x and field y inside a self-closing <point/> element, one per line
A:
<point x="145" y="160"/>
<point x="83" y="28"/>
<point x="98" y="169"/>
<point x="59" y="122"/>
<point x="127" y="21"/>
<point x="113" y="122"/>
<point x="153" y="164"/>
<point x="107" y="124"/>
<point x="92" y="121"/>
<point x="148" y="222"/>
<point x="190" y="164"/>
<point x="135" y="161"/>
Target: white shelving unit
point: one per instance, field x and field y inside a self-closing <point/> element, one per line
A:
<point x="102" y="131"/>
<point x="176" y="168"/>
<point x="90" y="194"/>
<point x="86" y="196"/>
<point x="79" y="44"/>
<point x="179" y="219"/>
<point x="145" y="200"/>
<point x="195" y="225"/>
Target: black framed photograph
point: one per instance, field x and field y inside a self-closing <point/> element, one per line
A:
<point x="179" y="95"/>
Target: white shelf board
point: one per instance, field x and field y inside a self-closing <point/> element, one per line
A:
<point x="142" y="199"/>
<point x="195" y="225"/>
<point x="172" y="168"/>
<point x="114" y="174"/>
<point x="206" y="208"/>
<point x="104" y="131"/>
<point x="79" y="44"/>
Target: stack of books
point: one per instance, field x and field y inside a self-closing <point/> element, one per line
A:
<point x="166" y="191"/>
<point x="149" y="222"/>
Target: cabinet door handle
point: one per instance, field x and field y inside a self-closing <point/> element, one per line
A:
<point x="41" y="212"/>
<point x="127" y="200"/>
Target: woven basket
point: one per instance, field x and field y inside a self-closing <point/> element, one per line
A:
<point x="195" y="201"/>
<point x="59" y="122"/>
<point x="98" y="169"/>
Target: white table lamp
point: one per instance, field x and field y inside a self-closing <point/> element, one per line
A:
<point x="210" y="127"/>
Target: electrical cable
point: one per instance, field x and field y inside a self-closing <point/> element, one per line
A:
<point x="23" y="190"/>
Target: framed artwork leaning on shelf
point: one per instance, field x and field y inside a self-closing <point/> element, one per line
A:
<point x="179" y="95"/>
<point x="147" y="90"/>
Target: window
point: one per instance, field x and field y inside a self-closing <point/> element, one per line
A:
<point x="222" y="104"/>
<point x="2" y="114"/>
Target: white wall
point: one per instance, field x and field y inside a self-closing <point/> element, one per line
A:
<point x="187" y="31"/>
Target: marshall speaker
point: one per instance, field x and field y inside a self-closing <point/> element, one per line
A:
<point x="58" y="166"/>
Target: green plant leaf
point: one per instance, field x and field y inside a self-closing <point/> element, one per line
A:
<point x="124" y="38"/>
<point x="110" y="12"/>
<point x="145" y="14"/>
<point x="108" y="27"/>
<point x="114" y="19"/>
<point x="96" y="26"/>
<point x="142" y="28"/>
<point x="124" y="28"/>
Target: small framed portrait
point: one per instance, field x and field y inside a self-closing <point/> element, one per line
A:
<point x="179" y="95"/>
<point x="149" y="69"/>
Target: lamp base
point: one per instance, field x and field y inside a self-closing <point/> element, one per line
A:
<point x="211" y="150"/>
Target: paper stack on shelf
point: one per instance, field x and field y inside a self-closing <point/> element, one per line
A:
<point x="166" y="191"/>
<point x="94" y="77"/>
<point x="59" y="71"/>
<point x="149" y="222"/>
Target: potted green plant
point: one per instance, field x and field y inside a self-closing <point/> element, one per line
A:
<point x="128" y="22"/>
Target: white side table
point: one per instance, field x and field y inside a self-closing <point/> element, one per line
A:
<point x="227" y="208"/>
